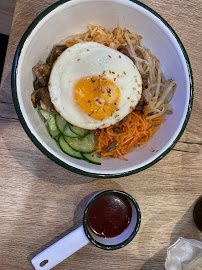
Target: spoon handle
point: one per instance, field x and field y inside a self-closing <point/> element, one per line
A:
<point x="60" y="250"/>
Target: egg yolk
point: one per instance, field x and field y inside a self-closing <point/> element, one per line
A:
<point x="97" y="96"/>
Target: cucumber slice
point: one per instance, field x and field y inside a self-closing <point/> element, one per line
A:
<point x="48" y="116"/>
<point x="79" y="131"/>
<point x="57" y="137"/>
<point x="63" y="126"/>
<point x="67" y="132"/>
<point x="92" y="158"/>
<point x="67" y="149"/>
<point x="52" y="127"/>
<point x="60" y="122"/>
<point x="82" y="144"/>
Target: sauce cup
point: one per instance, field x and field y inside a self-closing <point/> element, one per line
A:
<point x="80" y="237"/>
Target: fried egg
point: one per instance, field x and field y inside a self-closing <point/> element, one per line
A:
<point x="93" y="86"/>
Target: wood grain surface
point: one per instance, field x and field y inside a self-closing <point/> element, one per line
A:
<point x="6" y="14"/>
<point x="40" y="202"/>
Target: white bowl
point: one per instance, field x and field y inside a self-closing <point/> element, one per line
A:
<point x="65" y="18"/>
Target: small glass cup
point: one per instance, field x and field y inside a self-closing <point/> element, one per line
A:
<point x="80" y="237"/>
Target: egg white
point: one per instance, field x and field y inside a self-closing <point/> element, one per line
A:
<point x="94" y="59"/>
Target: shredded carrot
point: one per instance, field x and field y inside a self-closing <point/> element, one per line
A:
<point x="136" y="131"/>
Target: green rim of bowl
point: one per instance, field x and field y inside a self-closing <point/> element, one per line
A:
<point x="45" y="151"/>
<point x="133" y="234"/>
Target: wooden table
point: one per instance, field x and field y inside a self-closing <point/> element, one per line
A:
<point x="40" y="201"/>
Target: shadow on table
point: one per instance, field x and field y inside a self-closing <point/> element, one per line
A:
<point x="157" y="261"/>
<point x="77" y="221"/>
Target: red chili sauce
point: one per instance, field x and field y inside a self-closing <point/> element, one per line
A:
<point x="109" y="215"/>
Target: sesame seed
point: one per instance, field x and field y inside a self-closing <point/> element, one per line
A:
<point x="113" y="72"/>
<point x="88" y="50"/>
<point x="114" y="79"/>
<point x="119" y="56"/>
<point x="135" y="80"/>
<point x="139" y="85"/>
<point x="138" y="92"/>
<point x="124" y="73"/>
<point x="128" y="98"/>
<point x="109" y="56"/>
<point x="118" y="75"/>
<point x="132" y="101"/>
<point x="134" y="88"/>
<point x="78" y="59"/>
